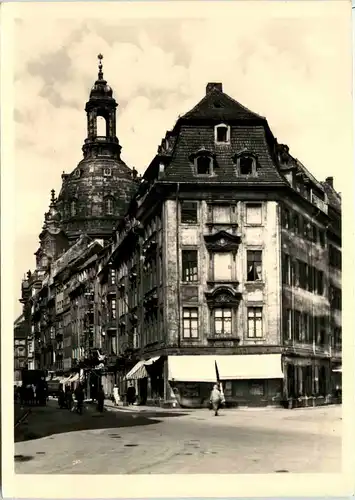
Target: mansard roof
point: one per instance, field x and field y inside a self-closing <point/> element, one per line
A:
<point x="218" y="106"/>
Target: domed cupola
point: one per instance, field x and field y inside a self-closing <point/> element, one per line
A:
<point x="95" y="196"/>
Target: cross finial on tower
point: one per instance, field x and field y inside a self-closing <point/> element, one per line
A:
<point x="101" y="75"/>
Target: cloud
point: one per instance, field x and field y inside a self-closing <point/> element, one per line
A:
<point x="293" y="70"/>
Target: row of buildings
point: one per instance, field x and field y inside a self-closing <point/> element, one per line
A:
<point x="225" y="255"/>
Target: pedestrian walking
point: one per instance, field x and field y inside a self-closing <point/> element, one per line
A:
<point x="79" y="396"/>
<point x="61" y="398"/>
<point x="100" y="399"/>
<point x="215" y="399"/>
<point x="68" y="398"/>
<point x="116" y="396"/>
<point x="131" y="394"/>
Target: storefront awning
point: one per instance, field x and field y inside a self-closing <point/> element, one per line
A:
<point x="230" y="367"/>
<point x="139" y="370"/>
<point x="192" y="368"/>
<point x="250" y="366"/>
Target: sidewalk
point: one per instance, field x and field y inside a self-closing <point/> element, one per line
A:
<point x="109" y="405"/>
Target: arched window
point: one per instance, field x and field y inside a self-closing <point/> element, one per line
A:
<point x="109" y="206"/>
<point x="222" y="134"/>
<point x="204" y="165"/>
<point x="73" y="208"/>
<point x="101" y="127"/>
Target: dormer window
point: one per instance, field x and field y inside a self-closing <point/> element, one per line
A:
<point x="246" y="164"/>
<point x="222" y="134"/>
<point x="204" y="165"/>
<point x="107" y="172"/>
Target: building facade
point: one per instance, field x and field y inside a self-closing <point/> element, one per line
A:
<point x="224" y="262"/>
<point x="227" y="258"/>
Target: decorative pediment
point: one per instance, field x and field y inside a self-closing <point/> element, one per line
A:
<point x="223" y="296"/>
<point x="222" y="241"/>
<point x="201" y="152"/>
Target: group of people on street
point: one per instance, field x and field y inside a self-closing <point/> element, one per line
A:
<point x="74" y="401"/>
<point x="31" y="394"/>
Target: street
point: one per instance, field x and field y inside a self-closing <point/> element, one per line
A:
<point x="122" y="441"/>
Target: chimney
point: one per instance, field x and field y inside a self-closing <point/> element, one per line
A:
<point x="214" y="86"/>
<point x="329" y="181"/>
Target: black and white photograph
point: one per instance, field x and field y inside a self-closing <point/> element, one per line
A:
<point x="178" y="173"/>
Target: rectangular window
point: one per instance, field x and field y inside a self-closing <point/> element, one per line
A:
<point x="314" y="233"/>
<point x="297" y="316"/>
<point x="288" y="324"/>
<point x="113" y="309"/>
<point x="113" y="276"/>
<point x="222" y="266"/>
<point x="189" y="265"/>
<point x="296" y="223"/>
<point x="255" y="322"/>
<point x="189" y="212"/>
<point x="321" y="237"/>
<point x="305" y="322"/>
<point x="190" y="322"/>
<point x="286" y="218"/>
<point x="254" y="265"/>
<point x="286" y="269"/>
<point x="222" y="322"/>
<point x="254" y="213"/>
<point x="320" y="282"/>
<point x="221" y="214"/>
<point x="295" y="277"/>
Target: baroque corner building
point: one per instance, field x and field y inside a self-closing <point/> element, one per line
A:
<point x="225" y="262"/>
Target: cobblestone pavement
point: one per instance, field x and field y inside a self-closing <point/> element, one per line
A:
<point x="151" y="442"/>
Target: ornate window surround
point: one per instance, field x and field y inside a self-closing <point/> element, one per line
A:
<point x="223" y="296"/>
<point x="222" y="241"/>
<point x="245" y="154"/>
<point x="203" y="153"/>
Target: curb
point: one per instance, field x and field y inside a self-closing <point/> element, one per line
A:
<point x="22" y="418"/>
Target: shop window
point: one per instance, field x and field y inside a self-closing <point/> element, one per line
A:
<point x="255" y="322"/>
<point x="189" y="212"/>
<point x="254" y="213"/>
<point x="222" y="266"/>
<point x="222" y="319"/>
<point x="190" y="322"/>
<point x="254" y="265"/>
<point x="256" y="389"/>
<point x="189" y="265"/>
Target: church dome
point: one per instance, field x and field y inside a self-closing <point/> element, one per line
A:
<point x="96" y="194"/>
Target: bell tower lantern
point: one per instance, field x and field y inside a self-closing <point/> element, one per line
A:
<point x="101" y="120"/>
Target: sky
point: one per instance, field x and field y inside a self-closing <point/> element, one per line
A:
<point x="289" y="61"/>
